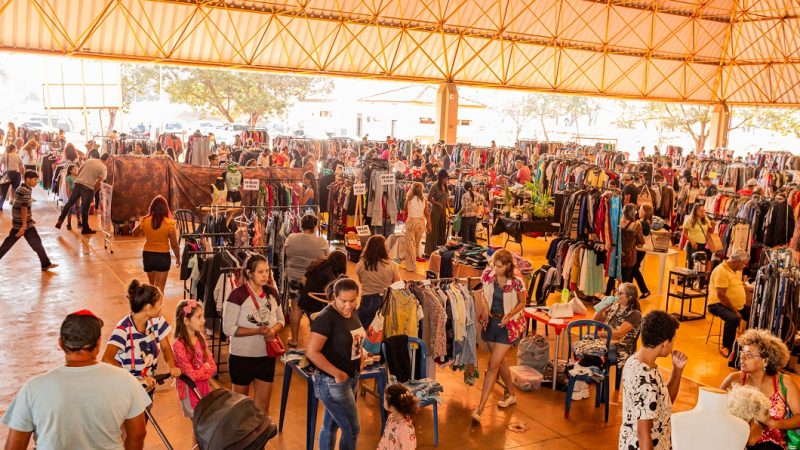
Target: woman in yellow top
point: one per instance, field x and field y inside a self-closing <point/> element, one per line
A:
<point x="695" y="230"/>
<point x="158" y="227"/>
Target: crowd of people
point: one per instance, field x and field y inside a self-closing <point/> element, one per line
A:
<point x="339" y="309"/>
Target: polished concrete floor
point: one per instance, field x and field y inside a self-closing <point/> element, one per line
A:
<point x="89" y="276"/>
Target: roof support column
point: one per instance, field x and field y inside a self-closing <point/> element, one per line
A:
<point x="447" y="112"/>
<point x="720" y="126"/>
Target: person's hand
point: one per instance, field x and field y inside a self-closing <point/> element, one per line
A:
<point x="679" y="359"/>
<point x="177" y="262"/>
<point x="739" y="316"/>
<point x="429" y="228"/>
<point x="21" y="232"/>
<point x="505" y="320"/>
<point x="174" y="372"/>
<point x="268" y="334"/>
<point x="772" y="423"/>
<point x="693" y="243"/>
<point x="341" y="377"/>
<point x="149" y="383"/>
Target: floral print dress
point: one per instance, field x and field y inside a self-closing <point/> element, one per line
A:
<point x="399" y="434"/>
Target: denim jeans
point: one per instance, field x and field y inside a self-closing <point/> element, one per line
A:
<point x="370" y="304"/>
<point x="385" y="230"/>
<point x="86" y="195"/>
<point x="339" y="400"/>
<point x="731" y="321"/>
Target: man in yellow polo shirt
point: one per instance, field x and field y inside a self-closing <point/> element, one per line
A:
<point x="727" y="296"/>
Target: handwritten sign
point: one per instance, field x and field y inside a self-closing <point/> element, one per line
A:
<point x="387" y="179"/>
<point x="363" y="230"/>
<point x="359" y="189"/>
<point x="712" y="175"/>
<point x="250" y="184"/>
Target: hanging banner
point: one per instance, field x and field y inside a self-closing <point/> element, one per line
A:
<point x="106" y="190"/>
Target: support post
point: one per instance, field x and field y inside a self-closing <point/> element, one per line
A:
<point x="720" y="126"/>
<point x="447" y="112"/>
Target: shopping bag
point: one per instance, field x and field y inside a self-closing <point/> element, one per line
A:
<point x="374" y="338"/>
<point x="713" y="242"/>
<point x="457" y="223"/>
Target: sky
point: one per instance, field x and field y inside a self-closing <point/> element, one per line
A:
<point x="27" y="73"/>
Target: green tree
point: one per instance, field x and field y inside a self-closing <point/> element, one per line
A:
<point x="136" y="80"/>
<point x="780" y="120"/>
<point x="694" y="120"/>
<point x="230" y="94"/>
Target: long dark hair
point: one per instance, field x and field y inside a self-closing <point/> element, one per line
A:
<point x="182" y="331"/>
<point x="141" y="295"/>
<point x="312" y="182"/>
<point x="468" y="188"/>
<point x="375" y="252"/>
<point x="401" y="399"/>
<point x="337" y="261"/>
<point x="70" y="153"/>
<point x="159" y="210"/>
<point x="250" y="266"/>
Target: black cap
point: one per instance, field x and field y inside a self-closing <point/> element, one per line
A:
<point x="80" y="331"/>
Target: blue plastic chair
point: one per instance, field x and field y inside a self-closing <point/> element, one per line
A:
<point x="416" y="345"/>
<point x="589" y="328"/>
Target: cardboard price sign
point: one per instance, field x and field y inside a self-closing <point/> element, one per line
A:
<point x="250" y="184"/>
<point x="359" y="189"/>
<point x="387" y="179"/>
<point x="363" y="230"/>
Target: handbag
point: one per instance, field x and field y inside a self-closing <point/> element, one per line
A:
<point x="561" y="311"/>
<point x="374" y="338"/>
<point x="792" y="436"/>
<point x="275" y="347"/>
<point x="713" y="242"/>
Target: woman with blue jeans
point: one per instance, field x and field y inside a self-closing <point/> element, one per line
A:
<point x="376" y="272"/>
<point x="335" y="348"/>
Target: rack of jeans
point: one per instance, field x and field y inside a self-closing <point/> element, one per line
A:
<point x="776" y="296"/>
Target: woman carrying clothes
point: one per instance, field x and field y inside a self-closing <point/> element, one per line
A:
<point x="437" y="197"/>
<point x="417" y="222"/>
<point x="336" y="350"/>
<point x="252" y="317"/>
<point x="506" y="290"/>
<point x="160" y="235"/>
<point x="631" y="232"/>
<point x="376" y="272"/>
<point x="762" y="356"/>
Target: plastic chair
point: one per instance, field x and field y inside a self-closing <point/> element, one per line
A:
<point x="589" y="328"/>
<point x="414" y="345"/>
<point x="186" y="223"/>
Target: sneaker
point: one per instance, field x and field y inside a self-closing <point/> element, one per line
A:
<point x="51" y="266"/>
<point x="644" y="296"/>
<point x="508" y="401"/>
<point x="88" y="231"/>
<point x="476" y="415"/>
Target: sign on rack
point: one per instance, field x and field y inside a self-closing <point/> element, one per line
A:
<point x="359" y="189"/>
<point x="250" y="184"/>
<point x="387" y="179"/>
<point x="363" y="230"/>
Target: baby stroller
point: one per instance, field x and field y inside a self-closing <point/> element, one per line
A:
<point x="224" y="420"/>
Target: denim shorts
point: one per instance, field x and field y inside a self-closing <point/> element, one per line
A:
<point x="495" y="333"/>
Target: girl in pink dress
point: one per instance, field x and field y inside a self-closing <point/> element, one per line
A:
<point x="191" y="353"/>
<point x="399" y="433"/>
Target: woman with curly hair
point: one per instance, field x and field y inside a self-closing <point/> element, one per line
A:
<point x="761" y="357"/>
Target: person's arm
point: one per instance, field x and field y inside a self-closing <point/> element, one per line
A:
<point x="169" y="357"/>
<point x="643" y="433"/>
<point x="18" y="440"/>
<point x="517" y="308"/>
<point x="314" y="354"/>
<point x="793" y="400"/>
<point x="173" y="242"/>
<point x="427" y="210"/>
<point x="183" y="361"/>
<point x="110" y="355"/>
<point x="396" y="273"/>
<point x="639" y="236"/>
<point x="281" y="321"/>
<point x="135" y="432"/>
<point x="730" y="380"/>
<point x="230" y="316"/>
<point x="722" y="295"/>
<point x="679" y="360"/>
<point x="621" y="331"/>
<point x="601" y="316"/>
<point x="137" y="230"/>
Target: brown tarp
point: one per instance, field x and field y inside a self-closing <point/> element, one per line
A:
<point x="137" y="180"/>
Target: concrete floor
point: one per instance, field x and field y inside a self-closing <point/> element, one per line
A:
<point x="91" y="277"/>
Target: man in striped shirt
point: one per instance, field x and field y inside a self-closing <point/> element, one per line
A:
<point x="22" y="223"/>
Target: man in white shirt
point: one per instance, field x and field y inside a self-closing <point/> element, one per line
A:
<point x="84" y="404"/>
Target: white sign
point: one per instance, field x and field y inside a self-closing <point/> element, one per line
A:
<point x="387" y="179"/>
<point x="359" y="189"/>
<point x="250" y="184"/>
<point x="363" y="230"/>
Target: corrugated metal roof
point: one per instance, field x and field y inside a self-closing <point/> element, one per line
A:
<point x="738" y="51"/>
